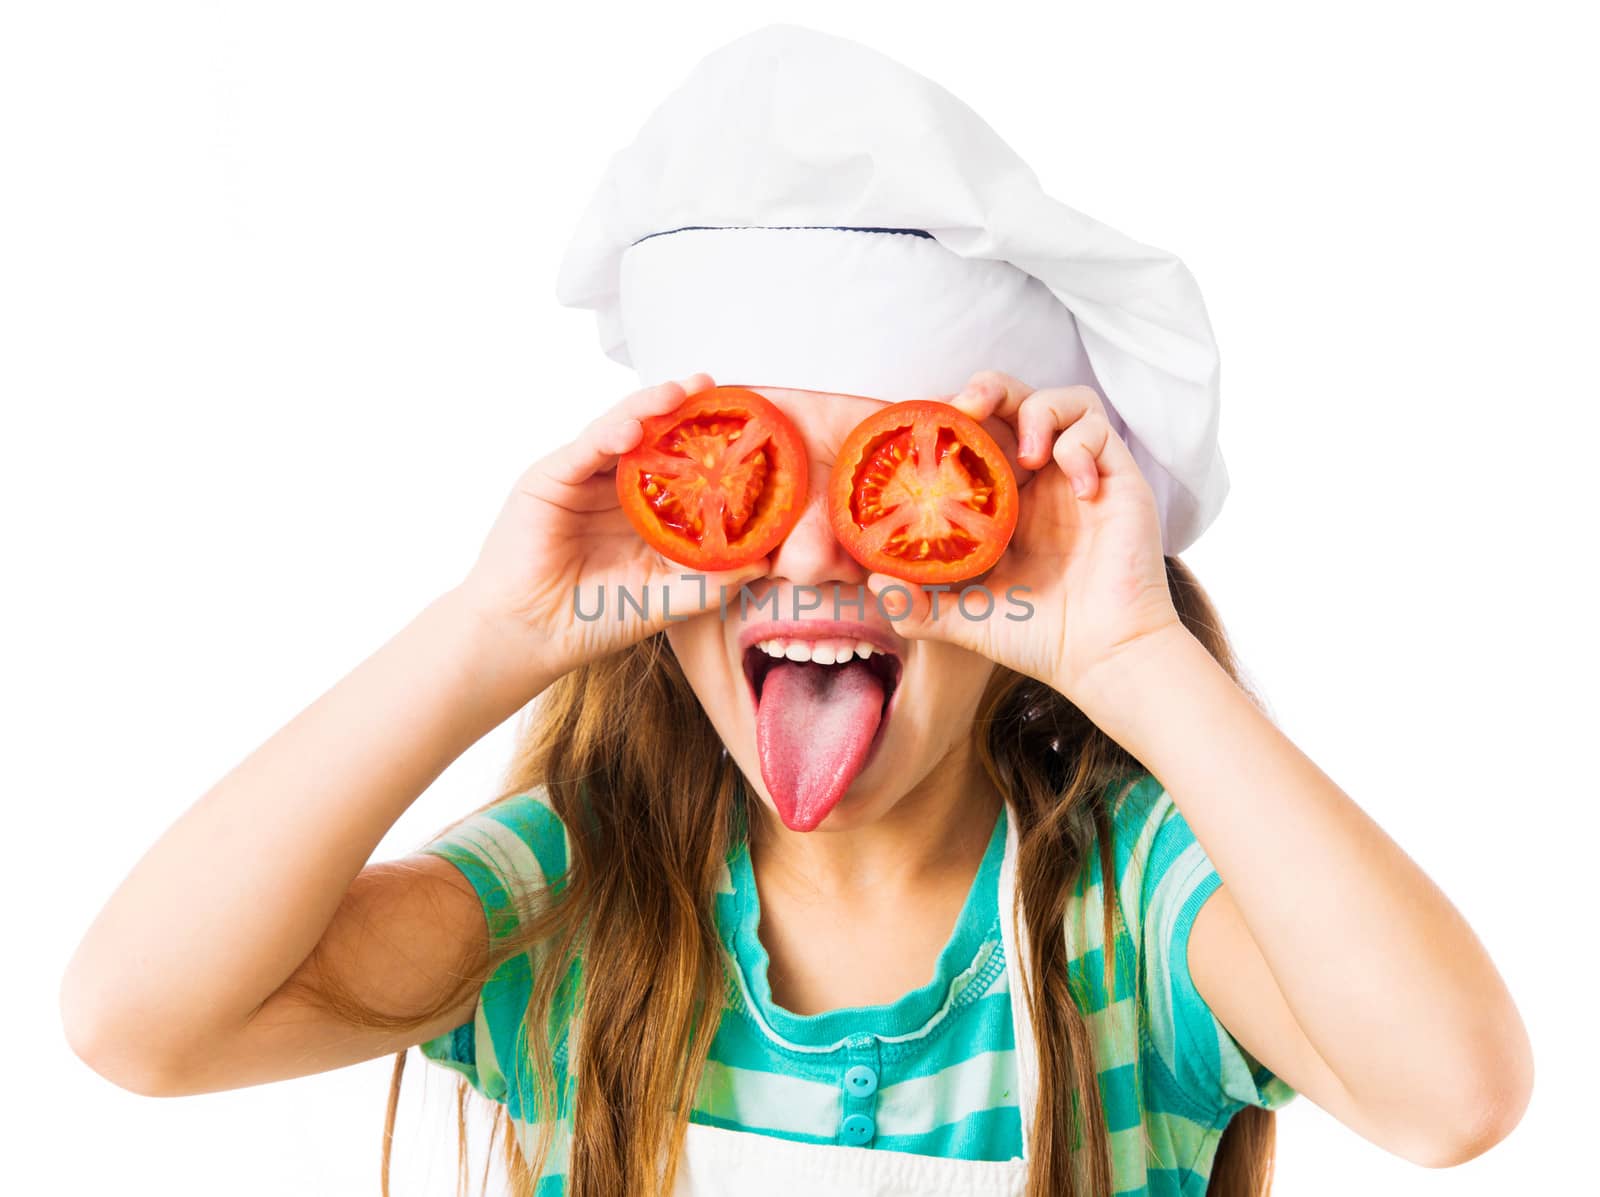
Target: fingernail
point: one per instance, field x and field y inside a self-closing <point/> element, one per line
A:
<point x="1080" y="487"/>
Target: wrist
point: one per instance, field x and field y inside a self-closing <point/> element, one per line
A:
<point x="1116" y="692"/>
<point x="496" y="658"/>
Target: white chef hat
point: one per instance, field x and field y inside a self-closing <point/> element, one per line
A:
<point x="804" y="212"/>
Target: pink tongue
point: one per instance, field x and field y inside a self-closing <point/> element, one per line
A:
<point x="814" y="725"/>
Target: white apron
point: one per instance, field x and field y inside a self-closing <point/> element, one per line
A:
<point x="717" y="1162"/>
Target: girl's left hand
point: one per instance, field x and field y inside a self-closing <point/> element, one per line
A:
<point x="1086" y="554"/>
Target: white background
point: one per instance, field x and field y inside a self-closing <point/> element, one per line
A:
<point x="277" y="330"/>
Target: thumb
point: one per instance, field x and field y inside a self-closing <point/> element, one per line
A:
<point x="921" y="611"/>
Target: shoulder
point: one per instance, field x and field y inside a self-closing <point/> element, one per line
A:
<point x="1166" y="877"/>
<point x="1138" y="806"/>
<point x="1150" y="846"/>
<point x="513" y="851"/>
<point x="1163" y="874"/>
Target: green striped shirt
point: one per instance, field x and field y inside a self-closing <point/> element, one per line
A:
<point x="933" y="1072"/>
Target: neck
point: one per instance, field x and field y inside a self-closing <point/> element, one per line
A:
<point x="938" y="828"/>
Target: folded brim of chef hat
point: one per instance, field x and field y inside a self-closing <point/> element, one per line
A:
<point x="805" y="212"/>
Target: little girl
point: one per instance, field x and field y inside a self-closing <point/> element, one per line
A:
<point x="836" y="887"/>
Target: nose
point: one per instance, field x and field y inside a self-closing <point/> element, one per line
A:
<point x="811" y="555"/>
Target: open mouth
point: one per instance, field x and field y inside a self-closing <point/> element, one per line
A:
<point x="761" y="656"/>
<point x="821" y="707"/>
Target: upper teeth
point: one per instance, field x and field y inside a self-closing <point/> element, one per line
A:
<point x="823" y="652"/>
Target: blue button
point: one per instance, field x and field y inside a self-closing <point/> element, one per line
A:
<point x="861" y="1081"/>
<point x="858" y="1128"/>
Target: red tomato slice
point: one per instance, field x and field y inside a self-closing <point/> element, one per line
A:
<point x="716" y="483"/>
<point x="920" y="491"/>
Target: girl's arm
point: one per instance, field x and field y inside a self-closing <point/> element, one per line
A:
<point x="168" y="989"/>
<point x="1326" y="951"/>
<point x="236" y="894"/>
<point x="1342" y="966"/>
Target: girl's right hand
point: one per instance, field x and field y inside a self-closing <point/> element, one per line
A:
<point x="562" y="533"/>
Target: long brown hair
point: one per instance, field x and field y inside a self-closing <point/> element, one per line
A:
<point x="649" y="806"/>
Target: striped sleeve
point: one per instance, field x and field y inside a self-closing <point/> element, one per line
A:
<point x="512" y="852"/>
<point x="1174" y="879"/>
